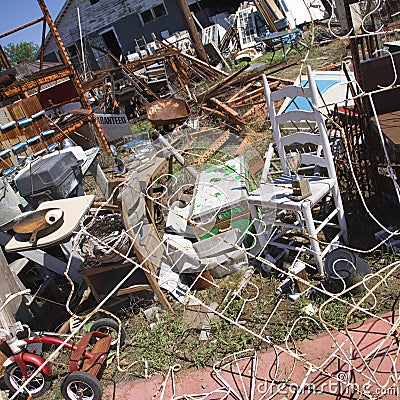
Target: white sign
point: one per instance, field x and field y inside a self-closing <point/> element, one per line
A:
<point x="114" y="126"/>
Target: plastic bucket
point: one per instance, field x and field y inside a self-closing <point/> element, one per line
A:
<point x="343" y="269"/>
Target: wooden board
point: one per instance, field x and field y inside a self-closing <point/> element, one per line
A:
<point x="146" y="242"/>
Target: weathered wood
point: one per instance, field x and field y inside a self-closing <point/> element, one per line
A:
<point x="194" y="34"/>
<point x="230" y="112"/>
<point x="213" y="111"/>
<point x="146" y="243"/>
<point x="101" y="280"/>
<point x="214" y="89"/>
<point x="8" y="286"/>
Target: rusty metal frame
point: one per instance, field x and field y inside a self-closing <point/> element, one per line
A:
<point x="50" y="76"/>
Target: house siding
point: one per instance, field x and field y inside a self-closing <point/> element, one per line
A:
<point x="122" y="15"/>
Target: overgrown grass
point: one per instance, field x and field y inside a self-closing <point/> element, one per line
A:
<point x="175" y="340"/>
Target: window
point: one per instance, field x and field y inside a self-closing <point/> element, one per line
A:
<point x="94" y="1"/>
<point x="153" y="13"/>
<point x="72" y="51"/>
<point x="159" y="10"/>
<point x="146" y="16"/>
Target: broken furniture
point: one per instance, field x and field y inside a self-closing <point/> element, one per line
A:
<point x="220" y="254"/>
<point x="139" y="225"/>
<point x="104" y="278"/>
<point x="275" y="195"/>
<point x="103" y="245"/>
<point x="73" y="211"/>
<point x="145" y="246"/>
<point x="219" y="200"/>
<point x="289" y="40"/>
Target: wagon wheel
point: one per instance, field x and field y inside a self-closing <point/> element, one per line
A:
<point x="80" y="385"/>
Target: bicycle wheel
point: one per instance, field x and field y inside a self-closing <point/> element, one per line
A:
<point x="110" y="327"/>
<point x="36" y="387"/>
<point x="80" y="385"/>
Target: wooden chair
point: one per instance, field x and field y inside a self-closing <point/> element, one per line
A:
<point x="274" y="194"/>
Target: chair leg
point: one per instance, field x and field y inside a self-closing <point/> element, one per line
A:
<point x="342" y="219"/>
<point x="310" y="226"/>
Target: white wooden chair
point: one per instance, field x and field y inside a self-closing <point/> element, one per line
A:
<point x="274" y="194"/>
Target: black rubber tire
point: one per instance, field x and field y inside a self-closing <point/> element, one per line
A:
<point x="39" y="385"/>
<point x="80" y="384"/>
<point x="109" y="326"/>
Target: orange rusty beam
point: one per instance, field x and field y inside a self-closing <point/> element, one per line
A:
<point x="257" y="108"/>
<point x="213" y="111"/>
<point x="213" y="147"/>
<point x="75" y="77"/>
<point x="35" y="82"/>
<point x="229" y="111"/>
<point x="4" y="59"/>
<point x="242" y="146"/>
<point x="133" y="76"/>
<point x="21" y="27"/>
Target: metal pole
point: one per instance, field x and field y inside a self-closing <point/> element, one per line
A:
<point x="81" y="38"/>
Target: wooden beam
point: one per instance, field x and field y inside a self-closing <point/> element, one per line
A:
<point x="213" y="89"/>
<point x="229" y="111"/>
<point x="191" y="27"/>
